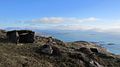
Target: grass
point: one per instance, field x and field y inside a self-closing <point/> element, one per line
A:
<point x="25" y="55"/>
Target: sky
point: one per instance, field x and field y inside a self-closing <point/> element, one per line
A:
<point x="95" y="15"/>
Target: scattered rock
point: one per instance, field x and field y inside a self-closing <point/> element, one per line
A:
<point x="94" y="64"/>
<point x="94" y="50"/>
<point x="85" y="50"/>
<point x="56" y="51"/>
<point x="47" y="49"/>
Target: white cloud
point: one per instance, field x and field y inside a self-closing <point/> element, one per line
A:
<point x="63" y="19"/>
<point x="99" y="25"/>
<point x="111" y="29"/>
<point x="49" y="20"/>
<point x="72" y="27"/>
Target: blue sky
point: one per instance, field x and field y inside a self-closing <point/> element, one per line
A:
<point x="97" y="15"/>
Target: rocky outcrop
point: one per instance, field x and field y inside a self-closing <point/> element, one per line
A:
<point x="54" y="41"/>
<point x="92" y="46"/>
<point x="20" y="36"/>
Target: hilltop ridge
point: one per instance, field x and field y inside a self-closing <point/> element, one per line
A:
<point x="52" y="52"/>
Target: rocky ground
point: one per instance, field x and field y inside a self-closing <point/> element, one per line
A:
<point x="55" y="54"/>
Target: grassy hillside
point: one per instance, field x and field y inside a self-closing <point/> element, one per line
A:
<point x="26" y="55"/>
<point x="64" y="55"/>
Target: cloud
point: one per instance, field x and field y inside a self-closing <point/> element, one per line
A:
<point x="49" y="20"/>
<point x="114" y="30"/>
<point x="111" y="29"/>
<point x="108" y="27"/>
<point x="72" y="27"/>
<point x="62" y="20"/>
<point x="71" y="23"/>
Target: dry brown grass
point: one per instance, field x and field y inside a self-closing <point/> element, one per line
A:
<point x="26" y="55"/>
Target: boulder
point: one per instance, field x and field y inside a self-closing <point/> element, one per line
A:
<point x="85" y="50"/>
<point x="86" y="59"/>
<point x="93" y="63"/>
<point x="56" y="51"/>
<point x="50" y="50"/>
<point x="20" y="36"/>
<point x="95" y="50"/>
<point x="3" y="36"/>
<point x="46" y="49"/>
<point x="13" y="36"/>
